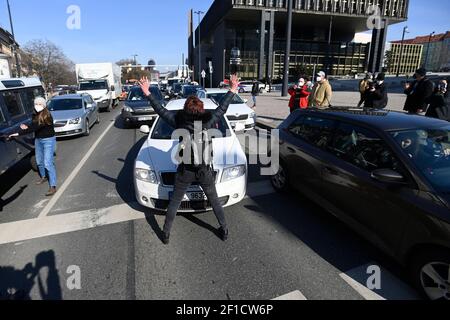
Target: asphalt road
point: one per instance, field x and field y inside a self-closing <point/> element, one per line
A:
<point x="279" y="244"/>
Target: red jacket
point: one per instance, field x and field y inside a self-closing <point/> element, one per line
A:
<point x="304" y="94"/>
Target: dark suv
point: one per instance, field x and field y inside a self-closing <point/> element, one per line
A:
<point x="16" y="108"/>
<point x="137" y="108"/>
<point x="385" y="174"/>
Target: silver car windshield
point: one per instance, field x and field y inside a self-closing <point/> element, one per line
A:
<point x="65" y="104"/>
<point x="429" y="149"/>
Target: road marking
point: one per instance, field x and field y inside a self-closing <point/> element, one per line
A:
<point x="59" y="224"/>
<point x="392" y="288"/>
<point x="295" y="295"/>
<point x="72" y="176"/>
<point x="76" y="221"/>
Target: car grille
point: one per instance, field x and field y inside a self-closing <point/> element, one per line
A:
<point x="60" y="124"/>
<point x="237" y="118"/>
<point x="189" y="205"/>
<point x="168" y="178"/>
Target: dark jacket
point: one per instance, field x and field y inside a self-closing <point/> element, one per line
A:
<point x="439" y="107"/>
<point x="42" y="131"/>
<point x="377" y="99"/>
<point x="418" y="94"/>
<point x="255" y="89"/>
<point x="184" y="120"/>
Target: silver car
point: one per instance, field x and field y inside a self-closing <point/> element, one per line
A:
<point x="73" y="114"/>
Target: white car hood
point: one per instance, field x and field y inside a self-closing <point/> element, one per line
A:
<point x="157" y="154"/>
<point x="238" y="109"/>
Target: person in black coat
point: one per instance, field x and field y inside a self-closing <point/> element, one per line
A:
<point x="439" y="107"/>
<point x="376" y="96"/>
<point x="189" y="119"/>
<point x="418" y="92"/>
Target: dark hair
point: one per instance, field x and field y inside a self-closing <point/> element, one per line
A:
<point x="194" y="105"/>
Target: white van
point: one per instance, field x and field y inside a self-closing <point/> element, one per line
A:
<point x="102" y="81"/>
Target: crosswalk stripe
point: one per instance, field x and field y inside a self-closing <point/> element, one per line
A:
<point x="295" y="295"/>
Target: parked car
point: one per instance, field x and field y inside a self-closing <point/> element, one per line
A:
<point x="246" y="87"/>
<point x="155" y="171"/>
<point x="240" y="115"/>
<point x="73" y="114"/>
<point x="189" y="90"/>
<point x="385" y="174"/>
<point x="16" y="108"/>
<point x="137" y="108"/>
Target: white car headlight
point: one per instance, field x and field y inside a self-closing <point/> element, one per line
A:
<point x="233" y="173"/>
<point x="75" y="121"/>
<point x="146" y="175"/>
<point x="128" y="109"/>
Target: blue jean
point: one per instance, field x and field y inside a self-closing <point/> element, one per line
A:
<point x="45" y="150"/>
<point x="254" y="99"/>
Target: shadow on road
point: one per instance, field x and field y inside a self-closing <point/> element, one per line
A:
<point x="5" y="202"/>
<point x="18" y="284"/>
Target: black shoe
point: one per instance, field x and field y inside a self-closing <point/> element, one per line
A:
<point x="165" y="238"/>
<point x="223" y="234"/>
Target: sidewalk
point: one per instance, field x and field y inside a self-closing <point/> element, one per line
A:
<point x="272" y="109"/>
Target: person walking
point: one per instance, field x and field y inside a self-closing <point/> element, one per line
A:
<point x="375" y="96"/>
<point x="255" y="92"/>
<point x="418" y="92"/>
<point x="195" y="120"/>
<point x="45" y="143"/>
<point x="299" y="95"/>
<point x="438" y="103"/>
<point x="321" y="92"/>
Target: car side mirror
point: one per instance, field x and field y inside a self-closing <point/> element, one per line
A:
<point x="145" y="129"/>
<point x="113" y="88"/>
<point x="89" y="106"/>
<point x="388" y="176"/>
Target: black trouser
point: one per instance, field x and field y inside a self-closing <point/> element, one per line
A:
<point x="185" y="177"/>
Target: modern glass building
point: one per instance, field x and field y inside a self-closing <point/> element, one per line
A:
<point x="250" y="36"/>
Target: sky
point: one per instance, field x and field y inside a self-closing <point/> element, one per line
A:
<point x="112" y="29"/>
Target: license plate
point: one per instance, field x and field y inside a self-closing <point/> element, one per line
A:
<point x="191" y="196"/>
<point x="145" y="118"/>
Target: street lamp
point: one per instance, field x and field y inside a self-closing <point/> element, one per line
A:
<point x="134" y="59"/>
<point x="14" y="46"/>
<point x="428" y="48"/>
<point x="199" y="13"/>
<point x="405" y="30"/>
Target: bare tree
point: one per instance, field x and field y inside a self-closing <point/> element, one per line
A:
<point x="49" y="62"/>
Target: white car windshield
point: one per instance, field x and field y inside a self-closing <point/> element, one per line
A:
<point x="163" y="131"/>
<point x="218" y="97"/>
<point x="429" y="149"/>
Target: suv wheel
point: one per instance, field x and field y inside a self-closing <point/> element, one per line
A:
<point x="280" y="181"/>
<point x="88" y="129"/>
<point x="431" y="274"/>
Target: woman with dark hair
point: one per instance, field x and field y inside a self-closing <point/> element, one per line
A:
<point x="202" y="172"/>
<point x="45" y="143"/>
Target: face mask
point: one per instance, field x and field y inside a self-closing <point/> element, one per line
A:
<point x="318" y="79"/>
<point x="38" y="108"/>
<point x="301" y="84"/>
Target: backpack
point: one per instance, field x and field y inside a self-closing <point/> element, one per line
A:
<point x="199" y="148"/>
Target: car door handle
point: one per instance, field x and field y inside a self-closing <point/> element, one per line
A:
<point x="330" y="171"/>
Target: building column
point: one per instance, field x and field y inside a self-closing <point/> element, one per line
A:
<point x="262" y="44"/>
<point x="270" y="51"/>
<point x="377" y="48"/>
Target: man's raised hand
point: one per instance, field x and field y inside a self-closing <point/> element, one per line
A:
<point x="145" y="86"/>
<point x="234" y="83"/>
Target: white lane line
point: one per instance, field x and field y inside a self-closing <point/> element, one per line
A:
<point x="76" y="221"/>
<point x="295" y="295"/>
<point x="59" y="224"/>
<point x="391" y="287"/>
<point x="72" y="176"/>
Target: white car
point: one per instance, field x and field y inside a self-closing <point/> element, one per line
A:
<point x="154" y="172"/>
<point x="246" y="87"/>
<point x="240" y="115"/>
